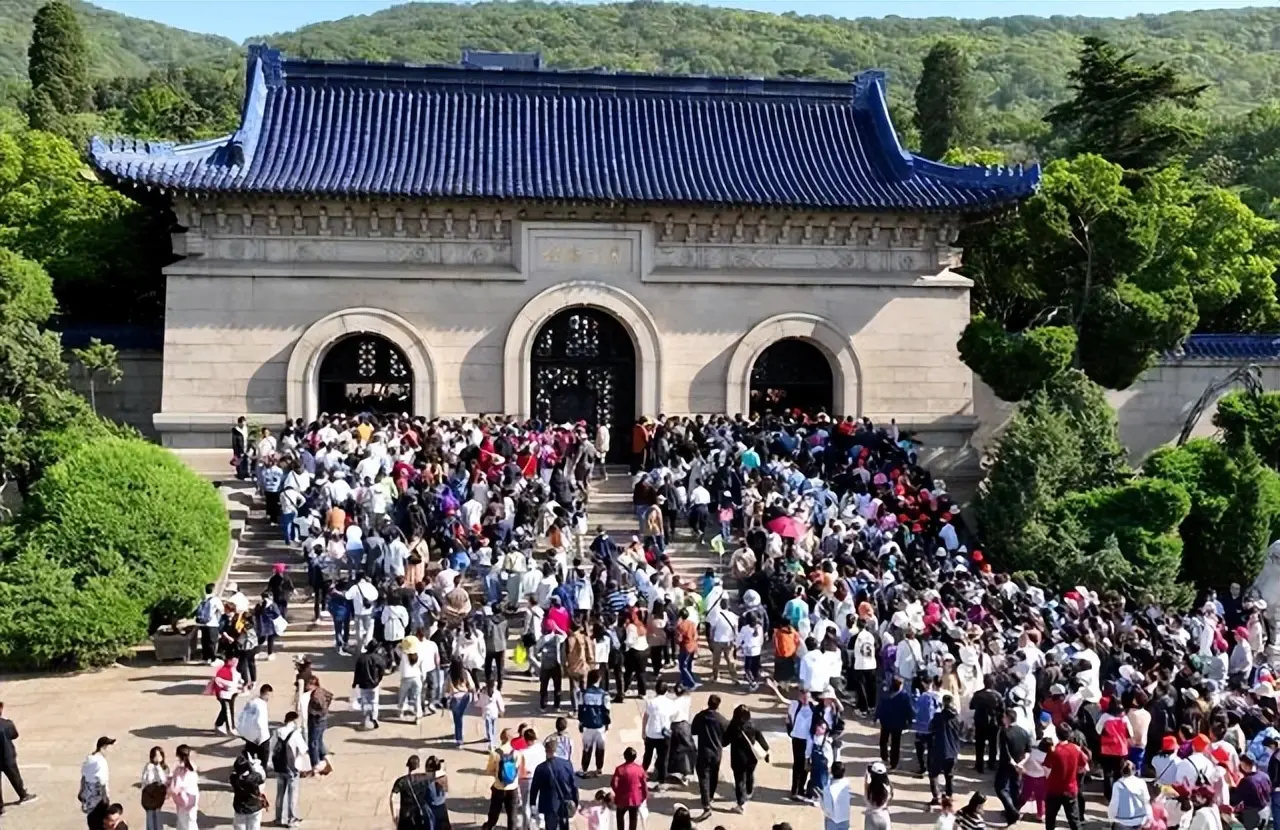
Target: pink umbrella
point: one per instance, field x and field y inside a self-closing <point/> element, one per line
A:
<point x="786" y="527"/>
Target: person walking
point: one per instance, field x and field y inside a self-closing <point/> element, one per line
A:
<point x="248" y="802"/>
<point x="504" y="766"/>
<point x="686" y="650"/>
<point x="746" y="747"/>
<point x="986" y="706"/>
<point x="554" y="789"/>
<point x="459" y="690"/>
<point x="95" y="784"/>
<point x="154" y="790"/>
<point x="1066" y="764"/>
<point x="209" y="619"/>
<point x="184" y="788"/>
<point x="492" y="706"/>
<point x="894" y="711"/>
<point x="878" y="792"/>
<point x="944" y="748"/>
<point x="708" y="728"/>
<point x="495" y="644"/>
<point x="319" y="699"/>
<point x="225" y="686"/>
<point x="254" y="724"/>
<point x="656" y="728"/>
<point x="411" y="811"/>
<point x="722" y="630"/>
<point x="1129" y="805"/>
<point x="580" y="660"/>
<point x="1013" y="745"/>
<point x="799" y="729"/>
<point x="593" y="720"/>
<point x="9" y="761"/>
<point x="363" y="597"/>
<point x="550" y="652"/>
<point x="289" y="763"/>
<point x="837" y="799"/>
<point x="370" y="669"/>
<point x="437" y="793"/>
<point x="630" y="787"/>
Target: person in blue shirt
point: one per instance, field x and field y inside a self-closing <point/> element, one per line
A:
<point x="894" y="712"/>
<point x="927" y="704"/>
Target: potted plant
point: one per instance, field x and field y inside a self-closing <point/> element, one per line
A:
<point x="173" y="633"/>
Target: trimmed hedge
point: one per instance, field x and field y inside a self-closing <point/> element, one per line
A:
<point x="110" y="534"/>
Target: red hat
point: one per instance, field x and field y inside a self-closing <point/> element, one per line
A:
<point x="977" y="556"/>
<point x="1242" y="632"/>
<point x="1169" y="744"/>
<point x="1221" y="755"/>
<point x="1199" y="743"/>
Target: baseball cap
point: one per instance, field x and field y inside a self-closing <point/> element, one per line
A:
<point x="104" y="741"/>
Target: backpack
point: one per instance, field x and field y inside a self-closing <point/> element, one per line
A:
<point x="204" y="614"/>
<point x="280" y="754"/>
<point x="507" y="769"/>
<point x="1115" y="737"/>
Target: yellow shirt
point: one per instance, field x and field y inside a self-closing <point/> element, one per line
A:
<point x="365" y="431"/>
<point x="492" y="768"/>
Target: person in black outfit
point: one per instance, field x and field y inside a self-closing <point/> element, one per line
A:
<point x="1013" y="744"/>
<point x="894" y="711"/>
<point x="708" y="730"/>
<point x="986" y="707"/>
<point x="944" y="748"/>
<point x="9" y="760"/>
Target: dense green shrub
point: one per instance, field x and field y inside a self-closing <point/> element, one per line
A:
<point x="1015" y="365"/>
<point x="1254" y="419"/>
<point x="113" y="530"/>
<point x="1235" y="502"/>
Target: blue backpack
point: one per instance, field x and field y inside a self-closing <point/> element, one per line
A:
<point x="507" y="769"/>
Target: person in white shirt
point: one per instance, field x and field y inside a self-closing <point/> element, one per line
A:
<point x="658" y="714"/>
<point x="363" y="596"/>
<point x="395" y="623"/>
<point x="254" y="724"/>
<point x="293" y="753"/>
<point x="837" y="799"/>
<point x="910" y="657"/>
<point x="722" y="628"/>
<point x="432" y="674"/>
<point x="750" y="644"/>
<point x="864" y="667"/>
<point x="411" y="675"/>
<point x="816" y="667"/>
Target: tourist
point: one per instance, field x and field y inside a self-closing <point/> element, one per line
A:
<point x="504" y="766"/>
<point x="225" y="686"/>
<point x="579" y="653"/>
<point x="750" y="646"/>
<point x="269" y="623"/>
<point x="655" y="726"/>
<point x="722" y="630"/>
<point x="363" y="597"/>
<point x="209" y="619"/>
<point x="553" y="790"/>
<point x="155" y="775"/>
<point x="370" y="669"/>
<point x="492" y="706"/>
<point x="113" y="818"/>
<point x="409" y="695"/>
<point x="837" y="799"/>
<point x="459" y="690"/>
<point x="593" y="721"/>
<point x="253" y="725"/>
<point x="878" y="793"/>
<point x="248" y="802"/>
<point x="630" y="785"/>
<point x="969" y="817"/>
<point x="550" y="651"/>
<point x="410" y="811"/>
<point x="1066" y="764"/>
<point x="681" y="750"/>
<point x="686" y="649"/>
<point x="184" y="788"/>
<point x="636" y="641"/>
<point x="495" y="642"/>
<point x="1013" y="745"/>
<point x="1129" y="804"/>
<point x="9" y="761"/>
<point x="289" y="762"/>
<point x="341" y="609"/>
<point x="95" y="784"/>
<point x="437" y="793"/>
<point x="944" y="748"/>
<point x="600" y="813"/>
<point x="708" y="730"/>
<point x="746" y="748"/>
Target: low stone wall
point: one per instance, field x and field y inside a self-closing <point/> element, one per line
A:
<point x="1151" y="412"/>
<point x="136" y="398"/>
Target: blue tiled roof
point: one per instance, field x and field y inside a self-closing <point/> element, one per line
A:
<point x="120" y="335"/>
<point x="1229" y="347"/>
<point x="503" y="130"/>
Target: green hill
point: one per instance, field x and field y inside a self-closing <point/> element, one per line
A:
<point x="119" y="45"/>
<point x="1021" y="62"/>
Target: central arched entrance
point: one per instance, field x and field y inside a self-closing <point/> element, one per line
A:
<point x="365" y="373"/>
<point x="583" y="368"/>
<point x="792" y="374"/>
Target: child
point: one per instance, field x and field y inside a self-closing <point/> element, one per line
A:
<point x="821" y="755"/>
<point x="564" y="743"/>
<point x="155" y="776"/>
<point x="946" y="816"/>
<point x="1034" y="773"/>
<point x="599" y="814"/>
<point x="493" y="706"/>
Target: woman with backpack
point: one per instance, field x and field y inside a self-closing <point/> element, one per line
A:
<point x="504" y="766"/>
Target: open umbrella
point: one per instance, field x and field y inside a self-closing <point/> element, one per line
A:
<point x="786" y="527"/>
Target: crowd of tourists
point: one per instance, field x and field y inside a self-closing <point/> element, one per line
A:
<point x="461" y="552"/>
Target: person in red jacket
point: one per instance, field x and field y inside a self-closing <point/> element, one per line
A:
<point x="630" y="788"/>
<point x="1065" y="762"/>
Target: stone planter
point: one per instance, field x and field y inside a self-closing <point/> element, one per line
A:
<point x="173" y="645"/>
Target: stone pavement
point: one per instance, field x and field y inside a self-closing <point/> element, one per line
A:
<point x="147" y="704"/>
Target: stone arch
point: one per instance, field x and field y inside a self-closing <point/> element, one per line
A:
<point x="827" y="336"/>
<point x="517" y="354"/>
<point x="303" y="377"/>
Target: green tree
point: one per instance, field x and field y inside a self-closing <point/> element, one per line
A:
<point x="1135" y="115"/>
<point x="1253" y="421"/>
<point x="99" y="360"/>
<point x="946" y="102"/>
<point x="58" y="66"/>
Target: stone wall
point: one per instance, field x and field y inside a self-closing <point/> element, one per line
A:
<point x="1151" y="413"/>
<point x="136" y="398"/>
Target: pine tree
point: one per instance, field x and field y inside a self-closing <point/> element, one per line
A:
<point x="58" y="66"/>
<point x="946" y="103"/>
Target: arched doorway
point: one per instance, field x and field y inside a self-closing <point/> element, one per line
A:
<point x="792" y="374"/>
<point x="584" y="369"/>
<point x="365" y="373"/>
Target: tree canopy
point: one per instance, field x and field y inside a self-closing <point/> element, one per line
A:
<point x="57" y="65"/>
<point x="946" y="103"/>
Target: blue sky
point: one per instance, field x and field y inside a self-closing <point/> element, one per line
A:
<point x="242" y="19"/>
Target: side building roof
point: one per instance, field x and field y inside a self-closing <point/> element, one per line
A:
<point x="511" y="130"/>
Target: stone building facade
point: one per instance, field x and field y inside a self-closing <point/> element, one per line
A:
<point x="632" y="245"/>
